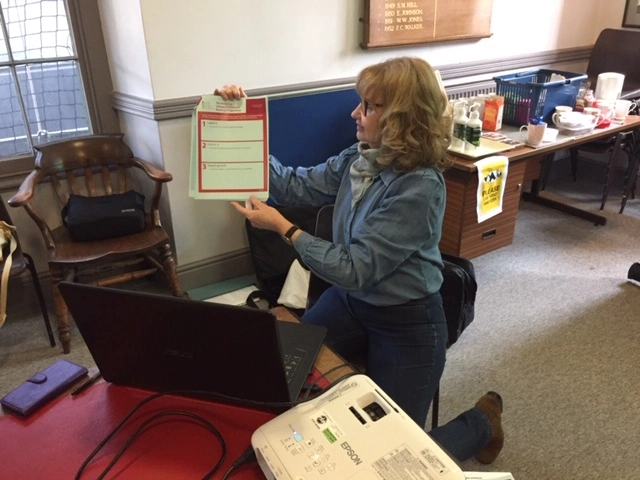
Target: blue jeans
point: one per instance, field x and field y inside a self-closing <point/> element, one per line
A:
<point x="405" y="348"/>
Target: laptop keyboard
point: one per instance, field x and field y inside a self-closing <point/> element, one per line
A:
<point x="291" y="363"/>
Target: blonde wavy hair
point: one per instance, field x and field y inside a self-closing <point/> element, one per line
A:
<point x="415" y="130"/>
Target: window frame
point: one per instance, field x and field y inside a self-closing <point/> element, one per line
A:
<point x="86" y="28"/>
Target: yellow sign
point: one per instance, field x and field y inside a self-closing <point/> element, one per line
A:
<point x="492" y="179"/>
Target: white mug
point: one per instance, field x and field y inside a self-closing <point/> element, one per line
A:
<point x="533" y="134"/>
<point x="622" y="108"/>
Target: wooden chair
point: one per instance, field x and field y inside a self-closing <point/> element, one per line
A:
<point x="95" y="165"/>
<point x="21" y="262"/>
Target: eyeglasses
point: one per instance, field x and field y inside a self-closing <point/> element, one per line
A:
<point x="369" y="108"/>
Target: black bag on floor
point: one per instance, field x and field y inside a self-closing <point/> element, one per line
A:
<point x="458" y="293"/>
<point x="272" y="256"/>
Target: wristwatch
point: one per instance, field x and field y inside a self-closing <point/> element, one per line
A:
<point x="289" y="233"/>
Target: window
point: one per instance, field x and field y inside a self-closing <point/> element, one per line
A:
<point x="45" y="93"/>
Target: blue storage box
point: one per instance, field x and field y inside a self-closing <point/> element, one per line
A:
<point x="532" y="94"/>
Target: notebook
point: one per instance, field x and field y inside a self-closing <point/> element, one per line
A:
<point x="161" y="343"/>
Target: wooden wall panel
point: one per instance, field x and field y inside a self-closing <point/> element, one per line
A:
<point x="463" y="19"/>
<point x="392" y="23"/>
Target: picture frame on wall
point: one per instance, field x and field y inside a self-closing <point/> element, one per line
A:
<point x="631" y="17"/>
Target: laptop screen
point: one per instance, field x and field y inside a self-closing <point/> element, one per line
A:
<point x="161" y="343"/>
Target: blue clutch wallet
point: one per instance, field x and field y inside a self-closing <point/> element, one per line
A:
<point x="42" y="387"/>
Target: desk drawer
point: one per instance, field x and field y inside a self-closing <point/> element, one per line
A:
<point x="462" y="235"/>
<point x="487" y="236"/>
<point x="472" y="239"/>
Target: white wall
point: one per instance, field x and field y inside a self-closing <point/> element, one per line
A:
<point x="195" y="45"/>
<point x="160" y="49"/>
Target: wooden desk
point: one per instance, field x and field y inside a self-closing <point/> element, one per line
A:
<point x="462" y="235"/>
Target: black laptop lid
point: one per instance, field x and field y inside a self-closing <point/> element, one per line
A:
<point x="162" y="343"/>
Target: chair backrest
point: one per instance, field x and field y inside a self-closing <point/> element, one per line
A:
<point x="93" y="165"/>
<point x="616" y="51"/>
<point x="324" y="230"/>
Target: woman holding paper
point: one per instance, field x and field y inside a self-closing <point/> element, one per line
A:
<point x="384" y="263"/>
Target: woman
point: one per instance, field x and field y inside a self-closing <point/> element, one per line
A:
<point x="384" y="263"/>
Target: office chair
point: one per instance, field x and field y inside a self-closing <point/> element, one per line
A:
<point x="631" y="178"/>
<point x="21" y="261"/>
<point x="617" y="51"/>
<point x="323" y="230"/>
<point x="91" y="166"/>
<point x="614" y="51"/>
<point x="623" y="142"/>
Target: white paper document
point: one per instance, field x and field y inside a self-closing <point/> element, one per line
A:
<point x="229" y="149"/>
<point x="488" y="476"/>
<point x="237" y="297"/>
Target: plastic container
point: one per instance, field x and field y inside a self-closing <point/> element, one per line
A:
<point x="533" y="94"/>
<point x="473" y="129"/>
<point x="460" y="120"/>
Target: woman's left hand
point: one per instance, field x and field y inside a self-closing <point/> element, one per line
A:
<point x="263" y="216"/>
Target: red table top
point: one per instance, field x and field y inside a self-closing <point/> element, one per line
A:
<point x="56" y="440"/>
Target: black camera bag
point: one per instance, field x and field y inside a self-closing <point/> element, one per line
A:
<point x="105" y="216"/>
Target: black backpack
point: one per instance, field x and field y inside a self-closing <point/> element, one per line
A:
<point x="272" y="256"/>
<point x="458" y="293"/>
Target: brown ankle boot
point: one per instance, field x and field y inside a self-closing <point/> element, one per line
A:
<point x="491" y="405"/>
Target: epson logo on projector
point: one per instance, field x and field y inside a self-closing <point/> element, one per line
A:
<point x="351" y="453"/>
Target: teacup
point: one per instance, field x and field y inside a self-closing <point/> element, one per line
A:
<point x="623" y="108"/>
<point x="574" y="119"/>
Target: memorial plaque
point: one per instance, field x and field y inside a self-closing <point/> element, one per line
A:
<point x="391" y="23"/>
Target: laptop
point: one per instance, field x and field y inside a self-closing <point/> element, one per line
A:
<point x="162" y="343"/>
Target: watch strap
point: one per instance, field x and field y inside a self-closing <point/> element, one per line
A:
<point x="289" y="233"/>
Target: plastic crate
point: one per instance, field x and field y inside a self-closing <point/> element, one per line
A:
<point x="532" y="94"/>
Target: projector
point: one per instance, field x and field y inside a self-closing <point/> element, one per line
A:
<point x="353" y="431"/>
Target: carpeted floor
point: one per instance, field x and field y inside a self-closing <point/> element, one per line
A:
<point x="556" y="332"/>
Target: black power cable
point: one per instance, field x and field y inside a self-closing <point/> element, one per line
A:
<point x="248" y="454"/>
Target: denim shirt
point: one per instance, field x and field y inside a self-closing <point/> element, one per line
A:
<point x="384" y="250"/>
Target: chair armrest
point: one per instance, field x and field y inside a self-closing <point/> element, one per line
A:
<point x="160" y="177"/>
<point x="152" y="172"/>
<point x="23" y="199"/>
<point x="25" y="192"/>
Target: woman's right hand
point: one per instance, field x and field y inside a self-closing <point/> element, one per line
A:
<point x="230" y="92"/>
